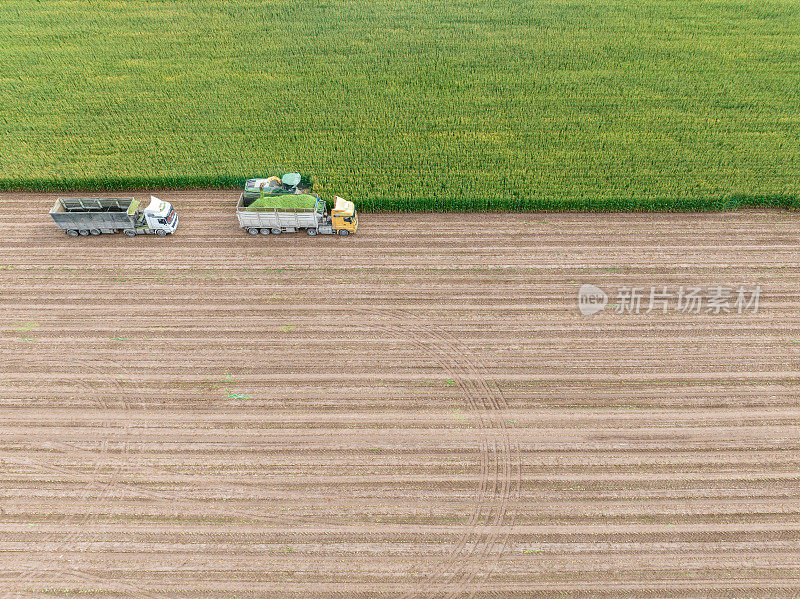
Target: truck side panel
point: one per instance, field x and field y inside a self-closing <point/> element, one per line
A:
<point x="297" y="220"/>
<point x="270" y="219"/>
<point x="105" y="214"/>
<point x="104" y="221"/>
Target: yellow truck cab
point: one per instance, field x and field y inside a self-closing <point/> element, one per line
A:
<point x="344" y="217"/>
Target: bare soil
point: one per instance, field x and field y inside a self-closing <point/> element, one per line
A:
<point x="418" y="410"/>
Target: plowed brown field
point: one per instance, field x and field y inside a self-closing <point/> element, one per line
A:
<point x="418" y="410"/>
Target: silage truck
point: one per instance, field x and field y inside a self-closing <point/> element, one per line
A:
<point x="93" y="216"/>
<point x="263" y="211"/>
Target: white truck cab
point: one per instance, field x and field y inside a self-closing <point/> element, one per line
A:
<point x="160" y="217"/>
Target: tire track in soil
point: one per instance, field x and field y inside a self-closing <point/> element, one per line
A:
<point x="494" y="404"/>
<point x="500" y="463"/>
<point x="490" y="474"/>
<point x="496" y="464"/>
<point x="114" y="481"/>
<point x="109" y="386"/>
<point x="479" y="545"/>
<point x="420" y="342"/>
<point x="511" y="476"/>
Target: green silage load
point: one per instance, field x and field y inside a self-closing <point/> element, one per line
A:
<point x="302" y="201"/>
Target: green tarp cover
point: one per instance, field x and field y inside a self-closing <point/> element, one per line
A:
<point x="291" y="179"/>
<point x="303" y="201"/>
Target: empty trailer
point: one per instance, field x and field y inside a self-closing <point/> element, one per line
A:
<point x="93" y="216"/>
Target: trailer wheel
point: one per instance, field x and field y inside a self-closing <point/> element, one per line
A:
<point x="130" y="232"/>
<point x="161" y="232"/>
<point x="253" y="230"/>
<point x="344" y="232"/>
<point x="83" y="232"/>
<point x="265" y="231"/>
<point x="311" y="232"/>
<point x="94" y="231"/>
<point x="276" y="231"/>
<point x="72" y="232"/>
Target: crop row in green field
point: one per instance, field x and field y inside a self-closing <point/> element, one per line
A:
<point x="405" y="104"/>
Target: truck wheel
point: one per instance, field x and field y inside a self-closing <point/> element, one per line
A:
<point x="130" y="232"/>
<point x="311" y="232"/>
<point x="344" y="232"/>
<point x="276" y="231"/>
<point x="94" y="231"/>
<point x="265" y="231"/>
<point x="83" y="232"/>
<point x="253" y="230"/>
<point x="72" y="232"/>
<point x="161" y="232"/>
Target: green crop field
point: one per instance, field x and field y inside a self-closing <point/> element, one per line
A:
<point x="410" y="104"/>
